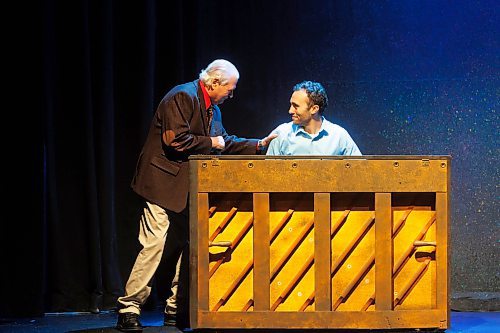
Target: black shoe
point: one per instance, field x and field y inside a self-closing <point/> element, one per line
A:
<point x="129" y="322"/>
<point x="169" y="319"/>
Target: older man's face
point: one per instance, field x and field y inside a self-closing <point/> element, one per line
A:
<point x="222" y="92"/>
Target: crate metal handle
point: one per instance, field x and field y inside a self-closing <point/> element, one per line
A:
<point x="221" y="243"/>
<point x="423" y="243"/>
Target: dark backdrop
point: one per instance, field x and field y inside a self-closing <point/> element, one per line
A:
<point x="403" y="77"/>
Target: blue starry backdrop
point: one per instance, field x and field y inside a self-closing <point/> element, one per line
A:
<point x="403" y="77"/>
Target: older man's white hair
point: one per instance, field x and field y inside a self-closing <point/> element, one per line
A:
<point x="219" y="69"/>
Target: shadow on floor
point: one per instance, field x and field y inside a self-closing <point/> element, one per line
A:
<point x="78" y="322"/>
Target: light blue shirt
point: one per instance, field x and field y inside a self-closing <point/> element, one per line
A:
<point x="330" y="140"/>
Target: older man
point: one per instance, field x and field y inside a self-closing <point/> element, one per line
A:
<point x="186" y="122"/>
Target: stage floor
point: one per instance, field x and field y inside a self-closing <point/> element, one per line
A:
<point x="470" y="322"/>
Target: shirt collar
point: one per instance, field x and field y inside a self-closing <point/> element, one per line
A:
<point x="206" y="98"/>
<point x="297" y="129"/>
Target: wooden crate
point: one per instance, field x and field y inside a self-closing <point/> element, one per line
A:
<point x="319" y="242"/>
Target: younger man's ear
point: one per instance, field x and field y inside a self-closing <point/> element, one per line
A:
<point x="314" y="109"/>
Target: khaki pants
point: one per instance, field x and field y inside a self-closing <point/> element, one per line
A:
<point x="154" y="225"/>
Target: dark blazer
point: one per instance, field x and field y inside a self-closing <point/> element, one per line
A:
<point x="179" y="129"/>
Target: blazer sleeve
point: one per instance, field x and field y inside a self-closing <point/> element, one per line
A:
<point x="233" y="144"/>
<point x="181" y="125"/>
